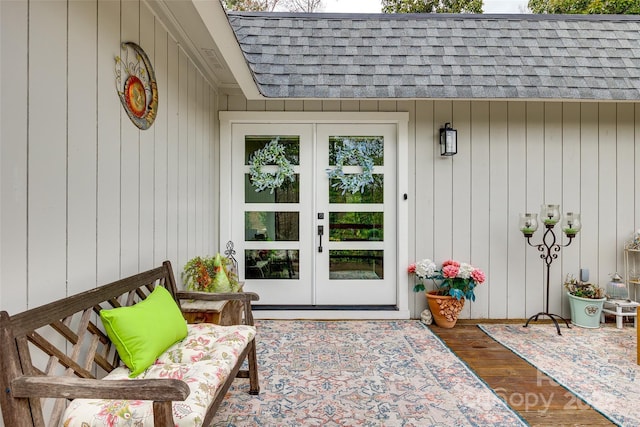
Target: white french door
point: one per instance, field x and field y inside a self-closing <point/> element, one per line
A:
<point x="357" y="262"/>
<point x="309" y="242"/>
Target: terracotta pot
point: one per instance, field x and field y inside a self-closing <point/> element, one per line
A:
<point x="444" y="308"/>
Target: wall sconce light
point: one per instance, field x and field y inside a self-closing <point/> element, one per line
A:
<point x="448" y="140"/>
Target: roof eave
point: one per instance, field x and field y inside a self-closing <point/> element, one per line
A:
<point x="567" y="100"/>
<point x="215" y="19"/>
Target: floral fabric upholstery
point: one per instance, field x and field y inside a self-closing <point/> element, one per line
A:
<point x="206" y="341"/>
<point x="203" y="360"/>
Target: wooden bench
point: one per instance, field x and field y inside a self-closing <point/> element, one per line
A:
<point x="57" y="352"/>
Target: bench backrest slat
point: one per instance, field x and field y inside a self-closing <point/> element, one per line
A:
<point x="65" y="338"/>
<point x="37" y="317"/>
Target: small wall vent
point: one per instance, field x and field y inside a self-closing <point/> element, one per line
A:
<point x="213" y="59"/>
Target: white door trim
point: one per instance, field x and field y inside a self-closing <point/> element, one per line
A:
<point x="400" y="119"/>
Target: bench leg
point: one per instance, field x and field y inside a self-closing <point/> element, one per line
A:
<point x="254" y="386"/>
<point x="162" y="414"/>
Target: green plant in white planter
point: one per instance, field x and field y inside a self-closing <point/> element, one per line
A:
<point x="586" y="301"/>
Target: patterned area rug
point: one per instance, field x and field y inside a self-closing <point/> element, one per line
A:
<point x="360" y="373"/>
<point x="597" y="365"/>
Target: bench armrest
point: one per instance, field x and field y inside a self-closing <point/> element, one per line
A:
<point x="208" y="296"/>
<point x="159" y="390"/>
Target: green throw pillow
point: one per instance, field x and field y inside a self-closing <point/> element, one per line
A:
<point x="143" y="331"/>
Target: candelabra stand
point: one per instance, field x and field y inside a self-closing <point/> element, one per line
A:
<point x="549" y="249"/>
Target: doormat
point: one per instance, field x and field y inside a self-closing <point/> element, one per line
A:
<point x="360" y="373"/>
<point x="597" y="365"/>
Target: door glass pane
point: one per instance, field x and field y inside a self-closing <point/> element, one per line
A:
<point x="356" y="226"/>
<point x="271" y="264"/>
<point x="371" y="146"/>
<point x="291" y="145"/>
<point x="271" y="226"/>
<point x="373" y="193"/>
<point x="356" y="265"/>
<point x="288" y="192"/>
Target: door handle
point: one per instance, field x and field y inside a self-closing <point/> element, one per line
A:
<point x="320" y="233"/>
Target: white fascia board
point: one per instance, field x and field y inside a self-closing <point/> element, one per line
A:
<point x="400" y="117"/>
<point x="215" y="19"/>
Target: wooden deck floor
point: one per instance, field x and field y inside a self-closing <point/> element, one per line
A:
<point x="536" y="397"/>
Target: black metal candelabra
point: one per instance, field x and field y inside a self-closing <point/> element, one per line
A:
<point x="549" y="248"/>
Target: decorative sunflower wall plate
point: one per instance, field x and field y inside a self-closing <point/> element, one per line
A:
<point x="136" y="85"/>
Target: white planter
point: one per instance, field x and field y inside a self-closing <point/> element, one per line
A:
<point x="585" y="312"/>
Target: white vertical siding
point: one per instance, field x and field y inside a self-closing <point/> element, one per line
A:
<point x="47" y="147"/>
<point x="534" y="189"/>
<point x="173" y="149"/>
<point x="82" y="147"/>
<point x="13" y="154"/>
<point x="422" y="182"/>
<point x="108" y="158"/>
<point x="608" y="192"/>
<point x="553" y="187"/>
<point x="129" y="161"/>
<point x="148" y="138"/>
<point x="515" y="259"/>
<point x="498" y="209"/>
<point x="512" y="157"/>
<point x="589" y="172"/>
<point x="480" y="237"/>
<point x="86" y="197"/>
<point x="625" y="177"/>
<point x="214" y="173"/>
<point x="183" y="154"/>
<point x="461" y="178"/>
<point x="570" y="182"/>
<point x="161" y="153"/>
<point x="443" y="188"/>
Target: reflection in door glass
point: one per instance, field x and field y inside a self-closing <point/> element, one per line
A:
<point x="271" y="264"/>
<point x="373" y="193"/>
<point x="356" y="265"/>
<point x="372" y="145"/>
<point x="291" y="143"/>
<point x="356" y="226"/>
<point x="271" y="226"/>
<point x="288" y="192"/>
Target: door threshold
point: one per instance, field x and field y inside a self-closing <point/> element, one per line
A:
<point x="320" y="314"/>
<point x="261" y="307"/>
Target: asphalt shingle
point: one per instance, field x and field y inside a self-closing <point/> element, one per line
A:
<point x="441" y="56"/>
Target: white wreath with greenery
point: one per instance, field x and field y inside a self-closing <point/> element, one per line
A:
<point x="271" y="154"/>
<point x="360" y="153"/>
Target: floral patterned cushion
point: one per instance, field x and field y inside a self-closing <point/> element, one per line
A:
<point x="204" y="379"/>
<point x="206" y="341"/>
<point x="203" y="360"/>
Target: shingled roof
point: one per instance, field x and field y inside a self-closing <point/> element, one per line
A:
<point x="440" y="56"/>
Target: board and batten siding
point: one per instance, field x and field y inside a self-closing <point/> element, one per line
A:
<point x="86" y="197"/>
<point x="512" y="157"/>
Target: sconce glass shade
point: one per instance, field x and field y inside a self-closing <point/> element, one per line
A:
<point x="448" y="140"/>
<point x="571" y="224"/>
<point x="550" y="214"/>
<point x="528" y="223"/>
